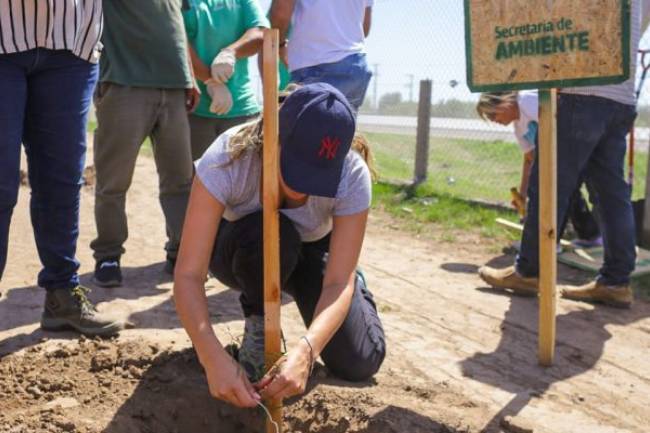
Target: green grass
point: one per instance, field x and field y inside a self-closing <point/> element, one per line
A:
<point x="471" y="169"/>
<point x="421" y="207"/>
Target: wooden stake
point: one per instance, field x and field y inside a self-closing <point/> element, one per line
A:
<point x="547" y="223"/>
<point x="270" y="203"/>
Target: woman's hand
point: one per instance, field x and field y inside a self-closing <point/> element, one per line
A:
<point x="289" y="375"/>
<point x="228" y="382"/>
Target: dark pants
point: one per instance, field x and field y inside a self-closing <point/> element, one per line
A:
<point x="591" y="143"/>
<point x="358" y="348"/>
<point x="45" y="96"/>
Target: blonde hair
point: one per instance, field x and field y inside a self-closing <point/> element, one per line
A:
<point x="489" y="103"/>
<point x="250" y="138"/>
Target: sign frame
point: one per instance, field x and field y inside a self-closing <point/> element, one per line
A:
<point x="558" y="83"/>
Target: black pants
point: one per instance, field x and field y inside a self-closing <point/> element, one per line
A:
<point x="358" y="348"/>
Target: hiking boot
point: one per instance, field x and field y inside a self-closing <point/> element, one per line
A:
<point x="70" y="309"/>
<point x="595" y="292"/>
<point x="251" y="352"/>
<point x="509" y="278"/>
<point x="108" y="273"/>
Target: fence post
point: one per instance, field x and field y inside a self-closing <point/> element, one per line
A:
<point x="424" y="129"/>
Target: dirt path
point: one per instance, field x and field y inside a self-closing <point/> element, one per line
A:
<point x="461" y="358"/>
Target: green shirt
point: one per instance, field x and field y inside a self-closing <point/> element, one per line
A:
<point x="213" y="25"/>
<point x="144" y="44"/>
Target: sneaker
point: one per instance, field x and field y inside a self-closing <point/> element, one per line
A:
<point x="170" y="264"/>
<point x="510" y="279"/>
<point x="70" y="309"/>
<point x="108" y="273"/>
<point x="595" y="292"/>
<point x="251" y="351"/>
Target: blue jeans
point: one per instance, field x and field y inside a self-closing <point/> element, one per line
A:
<point x="591" y="143"/>
<point x="350" y="76"/>
<point x="45" y="97"/>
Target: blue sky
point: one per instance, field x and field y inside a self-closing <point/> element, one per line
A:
<point x="424" y="38"/>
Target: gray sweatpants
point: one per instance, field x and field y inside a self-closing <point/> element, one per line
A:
<point x="126" y="116"/>
<point x="204" y="130"/>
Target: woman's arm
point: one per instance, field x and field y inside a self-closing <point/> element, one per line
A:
<point x="331" y="310"/>
<point x="225" y="378"/>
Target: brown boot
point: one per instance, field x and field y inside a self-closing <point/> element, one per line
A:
<point x="508" y="278"/>
<point x="595" y="292"/>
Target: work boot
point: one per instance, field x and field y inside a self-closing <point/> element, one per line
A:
<point x="596" y="292"/>
<point x="70" y="309"/>
<point x="509" y="278"/>
<point x="251" y="352"/>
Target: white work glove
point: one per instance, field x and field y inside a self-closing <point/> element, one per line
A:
<point x="223" y="65"/>
<point x="220" y="95"/>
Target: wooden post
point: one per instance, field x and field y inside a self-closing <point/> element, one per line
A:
<point x="423" y="132"/>
<point x="270" y="203"/>
<point x="547" y="223"/>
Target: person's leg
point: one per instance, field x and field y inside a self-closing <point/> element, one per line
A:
<point x="59" y="95"/>
<point x="205" y="130"/>
<point x="358" y="348"/>
<point x="170" y="140"/>
<point x="237" y="262"/>
<point x="13" y="99"/>
<point x="125" y="116"/>
<point x="238" y="258"/>
<point x="606" y="174"/>
<point x="581" y="125"/>
<point x="350" y="76"/>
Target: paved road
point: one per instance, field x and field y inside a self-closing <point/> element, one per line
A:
<point x="458" y="128"/>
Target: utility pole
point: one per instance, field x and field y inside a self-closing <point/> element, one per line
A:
<point x="376" y="95"/>
<point x="410" y="86"/>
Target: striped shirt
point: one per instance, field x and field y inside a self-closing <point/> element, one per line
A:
<point x="73" y="25"/>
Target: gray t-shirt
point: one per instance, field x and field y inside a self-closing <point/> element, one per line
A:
<point x="237" y="186"/>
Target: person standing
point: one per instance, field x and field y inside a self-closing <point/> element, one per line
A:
<point x="48" y="70"/>
<point x="327" y="43"/>
<point x="593" y="123"/>
<point x="222" y="35"/>
<point x="146" y="89"/>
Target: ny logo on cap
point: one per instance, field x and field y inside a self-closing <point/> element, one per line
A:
<point x="329" y="147"/>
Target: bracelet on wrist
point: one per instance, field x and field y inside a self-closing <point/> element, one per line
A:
<point x="311" y="354"/>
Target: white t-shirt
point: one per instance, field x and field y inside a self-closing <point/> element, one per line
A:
<point x="527" y="126"/>
<point x="326" y="31"/>
<point x="236" y="185"/>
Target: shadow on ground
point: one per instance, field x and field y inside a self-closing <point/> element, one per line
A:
<point x="513" y="365"/>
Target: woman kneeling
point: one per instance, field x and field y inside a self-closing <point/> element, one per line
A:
<point x="325" y="192"/>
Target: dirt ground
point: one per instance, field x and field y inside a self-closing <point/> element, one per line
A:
<point x="461" y="358"/>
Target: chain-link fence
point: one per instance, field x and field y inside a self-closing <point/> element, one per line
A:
<point x="412" y="40"/>
<point x="415" y="40"/>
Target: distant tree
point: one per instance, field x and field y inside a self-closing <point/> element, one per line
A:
<point x="390" y="100"/>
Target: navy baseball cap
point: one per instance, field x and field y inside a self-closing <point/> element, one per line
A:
<point x="316" y="130"/>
